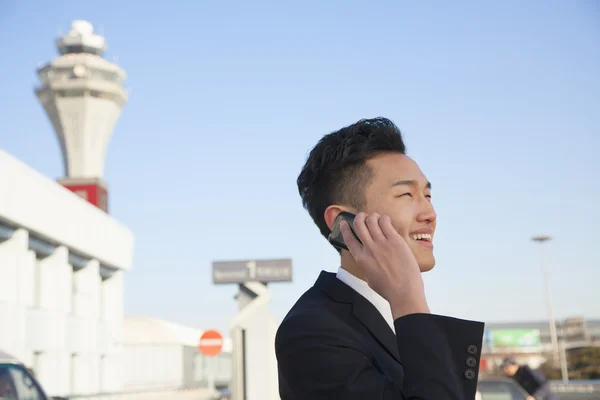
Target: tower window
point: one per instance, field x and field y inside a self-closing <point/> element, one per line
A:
<point x="71" y="93"/>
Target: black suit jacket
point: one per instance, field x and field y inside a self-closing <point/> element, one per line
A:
<point x="334" y="344"/>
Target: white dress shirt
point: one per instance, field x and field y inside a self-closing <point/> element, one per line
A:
<point x="365" y="291"/>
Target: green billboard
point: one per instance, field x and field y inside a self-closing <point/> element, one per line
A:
<point x="517" y="339"/>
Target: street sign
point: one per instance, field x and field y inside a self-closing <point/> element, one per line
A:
<point x="515" y="339"/>
<point x="252" y="270"/>
<point x="211" y="343"/>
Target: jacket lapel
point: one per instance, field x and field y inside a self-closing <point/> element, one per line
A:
<point x="363" y="310"/>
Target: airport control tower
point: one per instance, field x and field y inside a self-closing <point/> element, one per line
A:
<point x="83" y="95"/>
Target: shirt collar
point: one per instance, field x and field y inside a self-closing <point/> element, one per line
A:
<point x="365" y="291"/>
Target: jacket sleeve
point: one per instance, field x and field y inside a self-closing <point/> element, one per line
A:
<point x="320" y="358"/>
<point x="543" y="389"/>
<point x="542" y="392"/>
<point x="440" y="356"/>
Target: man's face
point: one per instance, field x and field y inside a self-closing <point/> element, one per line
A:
<point x="511" y="370"/>
<point x="399" y="189"/>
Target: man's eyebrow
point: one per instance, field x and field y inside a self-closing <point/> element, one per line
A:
<point x="410" y="182"/>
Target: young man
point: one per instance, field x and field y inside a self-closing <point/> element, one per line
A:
<point x="533" y="382"/>
<point x="366" y="332"/>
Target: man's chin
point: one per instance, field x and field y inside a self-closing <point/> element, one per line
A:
<point x="426" y="265"/>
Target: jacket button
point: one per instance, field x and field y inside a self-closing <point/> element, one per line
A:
<point x="472" y="349"/>
<point x="470" y="374"/>
<point x="471" y="362"/>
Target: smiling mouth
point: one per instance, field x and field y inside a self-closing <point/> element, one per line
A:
<point x="426" y="237"/>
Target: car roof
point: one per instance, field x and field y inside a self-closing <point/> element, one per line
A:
<point x="7" y="358"/>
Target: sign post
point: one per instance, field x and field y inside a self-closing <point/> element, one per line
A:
<point x="253" y="327"/>
<point x="211" y="345"/>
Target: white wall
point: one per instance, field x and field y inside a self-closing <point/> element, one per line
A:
<point x="219" y="368"/>
<point x="171" y="365"/>
<point x="163" y="354"/>
<point x="261" y="363"/>
<point x="17" y="265"/>
<point x="153" y="366"/>
<point x="50" y="318"/>
<point x="60" y="319"/>
<point x="29" y="199"/>
<point x="64" y="320"/>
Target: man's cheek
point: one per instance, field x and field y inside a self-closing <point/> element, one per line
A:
<point x="402" y="224"/>
<point x="403" y="230"/>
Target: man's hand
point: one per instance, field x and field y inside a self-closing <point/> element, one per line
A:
<point x="388" y="263"/>
<point x="530" y="398"/>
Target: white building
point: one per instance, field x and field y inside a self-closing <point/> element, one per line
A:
<point x="62" y="262"/>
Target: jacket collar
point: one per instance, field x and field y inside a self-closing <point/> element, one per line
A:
<point x="363" y="310"/>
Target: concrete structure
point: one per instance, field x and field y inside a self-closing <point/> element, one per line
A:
<point x="162" y="355"/>
<point x="83" y="95"/>
<point x="253" y="334"/>
<point x="62" y="263"/>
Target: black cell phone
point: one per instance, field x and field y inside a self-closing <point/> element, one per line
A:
<point x="335" y="237"/>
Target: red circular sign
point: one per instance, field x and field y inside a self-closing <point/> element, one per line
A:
<point x="211" y="343"/>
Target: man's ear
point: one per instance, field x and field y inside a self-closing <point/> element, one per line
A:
<point x="332" y="212"/>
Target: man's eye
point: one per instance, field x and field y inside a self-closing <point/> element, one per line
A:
<point x="428" y="196"/>
<point x="406" y="194"/>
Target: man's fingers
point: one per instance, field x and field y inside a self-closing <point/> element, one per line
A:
<point x="361" y="229"/>
<point x="385" y="224"/>
<point x="354" y="246"/>
<point x="372" y="222"/>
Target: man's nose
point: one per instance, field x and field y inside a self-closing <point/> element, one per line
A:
<point x="427" y="212"/>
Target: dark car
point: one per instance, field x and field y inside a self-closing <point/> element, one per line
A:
<point x="16" y="382"/>
<point x="223" y="393"/>
<point x="500" y="389"/>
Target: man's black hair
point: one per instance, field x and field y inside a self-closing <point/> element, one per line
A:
<point x="336" y="171"/>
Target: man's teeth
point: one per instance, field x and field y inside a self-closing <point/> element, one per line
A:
<point x="420" y="236"/>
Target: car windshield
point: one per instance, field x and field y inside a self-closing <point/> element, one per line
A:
<point x="8" y="390"/>
<point x="17" y="384"/>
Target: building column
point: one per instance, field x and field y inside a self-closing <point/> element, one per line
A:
<point x="111" y="320"/>
<point x="84" y="357"/>
<point x="16" y="288"/>
<point x="47" y="323"/>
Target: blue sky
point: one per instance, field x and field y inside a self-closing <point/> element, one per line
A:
<point x="499" y="103"/>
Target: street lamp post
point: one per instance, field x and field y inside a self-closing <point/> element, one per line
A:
<point x="553" y="334"/>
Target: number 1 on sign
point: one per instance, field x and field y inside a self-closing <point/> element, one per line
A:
<point x="251" y="269"/>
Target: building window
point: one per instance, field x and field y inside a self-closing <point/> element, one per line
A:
<point x="74" y="49"/>
<point x="71" y="93"/>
